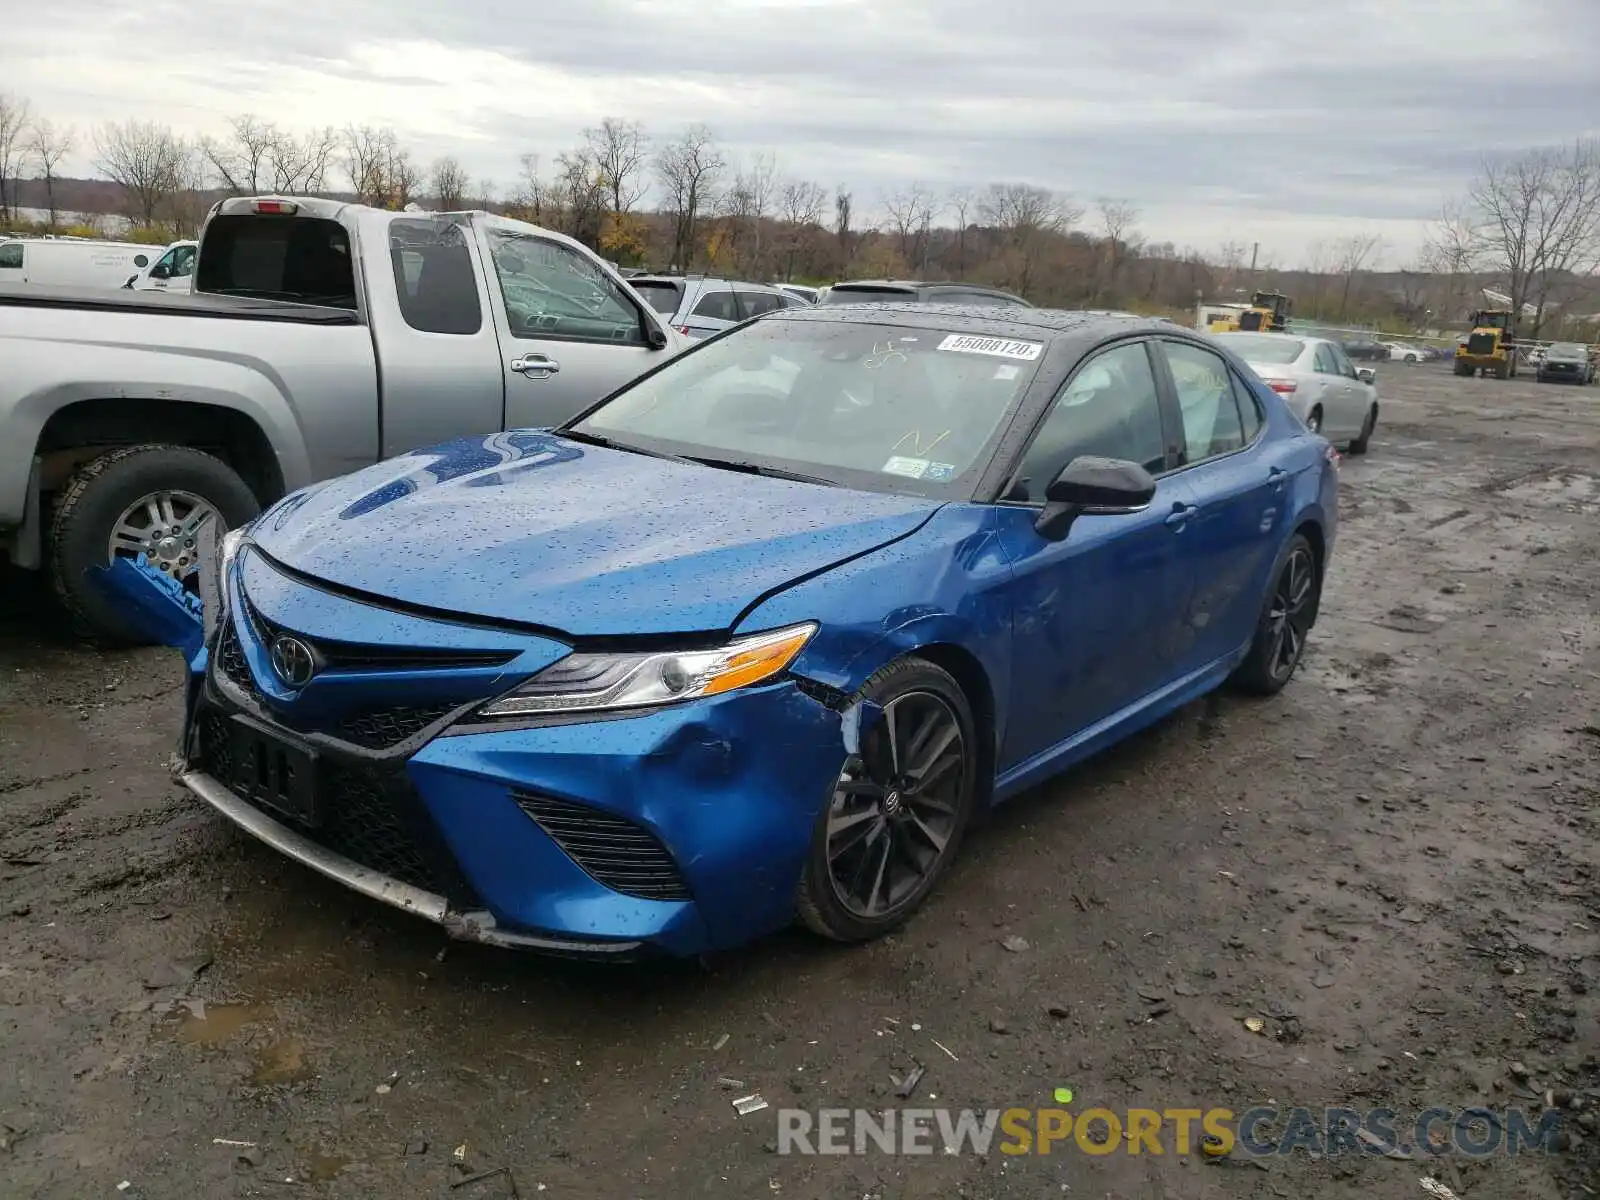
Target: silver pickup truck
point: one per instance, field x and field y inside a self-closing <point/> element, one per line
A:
<point x="320" y="337"/>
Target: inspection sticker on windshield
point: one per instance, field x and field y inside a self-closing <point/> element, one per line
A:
<point x="911" y="468"/>
<point x="965" y="343"/>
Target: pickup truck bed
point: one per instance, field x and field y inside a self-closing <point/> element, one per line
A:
<point x="177" y="304"/>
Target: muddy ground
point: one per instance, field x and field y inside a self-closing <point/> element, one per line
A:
<point x="1393" y="865"/>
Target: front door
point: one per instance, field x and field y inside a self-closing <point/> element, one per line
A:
<point x="570" y="334"/>
<point x="1097" y="617"/>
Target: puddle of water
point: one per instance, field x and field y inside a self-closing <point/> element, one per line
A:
<point x="219" y="1023"/>
<point x="321" y="1167"/>
<point x="284" y="1061"/>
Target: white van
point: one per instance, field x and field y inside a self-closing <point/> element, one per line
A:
<point x="172" y="272"/>
<point x="74" y="262"/>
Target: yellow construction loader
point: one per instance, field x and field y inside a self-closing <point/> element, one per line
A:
<point x="1491" y="346"/>
<point x="1267" y="311"/>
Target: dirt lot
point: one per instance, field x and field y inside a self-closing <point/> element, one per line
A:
<point x="1393" y="865"/>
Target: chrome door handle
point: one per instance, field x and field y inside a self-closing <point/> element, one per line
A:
<point x="1180" y="515"/>
<point x="535" y="366"/>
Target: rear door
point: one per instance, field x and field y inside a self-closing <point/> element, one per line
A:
<point x="569" y="332"/>
<point x="1239" y="490"/>
<point x="438" y="358"/>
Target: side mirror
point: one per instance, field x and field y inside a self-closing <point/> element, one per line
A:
<point x="1093" y="485"/>
<point x="161" y="271"/>
<point x="657" y="338"/>
<point x="1367" y="374"/>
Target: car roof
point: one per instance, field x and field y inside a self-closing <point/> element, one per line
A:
<point x="1006" y="320"/>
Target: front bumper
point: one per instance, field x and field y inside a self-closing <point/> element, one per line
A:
<point x="681" y="829"/>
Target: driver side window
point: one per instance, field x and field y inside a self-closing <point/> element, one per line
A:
<point x="1110" y="409"/>
<point x="182" y="264"/>
<point x="1325" y="363"/>
<point x="551" y="291"/>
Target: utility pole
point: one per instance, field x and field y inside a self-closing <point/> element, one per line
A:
<point x="1255" y="249"/>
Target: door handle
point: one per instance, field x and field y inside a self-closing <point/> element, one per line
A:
<point x="535" y="366"/>
<point x="1179" y="517"/>
<point x="1276" y="477"/>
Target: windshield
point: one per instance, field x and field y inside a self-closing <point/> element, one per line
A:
<point x="1567" y="350"/>
<point x="875" y="407"/>
<point x="659" y="295"/>
<point x="1255" y="348"/>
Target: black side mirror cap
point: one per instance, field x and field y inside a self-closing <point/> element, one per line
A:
<point x="658" y="339"/>
<point x="1089" y="484"/>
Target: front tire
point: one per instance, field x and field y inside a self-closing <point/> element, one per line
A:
<point x="1285" y="622"/>
<point x="1359" y="446"/>
<point x="896" y="815"/>
<point x="140" y="501"/>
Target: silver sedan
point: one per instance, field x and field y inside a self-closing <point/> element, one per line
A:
<point x="1318" y="381"/>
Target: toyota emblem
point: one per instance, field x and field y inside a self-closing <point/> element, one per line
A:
<point x="293" y="660"/>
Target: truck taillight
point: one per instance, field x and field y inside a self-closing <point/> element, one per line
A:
<point x="1282" y="386"/>
<point x="279" y="208"/>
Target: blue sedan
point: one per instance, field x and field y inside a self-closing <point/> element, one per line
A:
<point x="755" y="638"/>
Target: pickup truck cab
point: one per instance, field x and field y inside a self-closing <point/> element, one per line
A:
<point x="320" y="337"/>
<point x="172" y="272"/>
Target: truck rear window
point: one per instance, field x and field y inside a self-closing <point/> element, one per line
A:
<point x="303" y="259"/>
<point x="659" y="294"/>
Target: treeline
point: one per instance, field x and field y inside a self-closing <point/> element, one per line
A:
<point x="684" y="202"/>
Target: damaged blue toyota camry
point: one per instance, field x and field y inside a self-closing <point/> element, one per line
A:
<point x="756" y="638"/>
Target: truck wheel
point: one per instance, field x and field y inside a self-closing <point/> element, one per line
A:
<point x="139" y="501"/>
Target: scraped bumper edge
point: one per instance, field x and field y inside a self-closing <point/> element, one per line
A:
<point x="467" y="927"/>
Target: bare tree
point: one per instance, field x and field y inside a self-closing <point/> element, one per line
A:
<point x="1026" y="216"/>
<point x="240" y="159"/>
<point x="961" y="202"/>
<point x="15" y="113"/>
<point x="449" y="182"/>
<point x="1535" y="220"/>
<point x="911" y="217"/>
<point x="367" y="152"/>
<point x="581" y="190"/>
<point x="800" y="208"/>
<point x="619" y="151"/>
<point x="745" y="206"/>
<point x="299" y="165"/>
<point x="486" y="193"/>
<point x="1351" y="255"/>
<point x="532" y="193"/>
<point x="49" y="145"/>
<point x="148" y="161"/>
<point x="843" y="207"/>
<point x="688" y="170"/>
<point x="1117" y="218"/>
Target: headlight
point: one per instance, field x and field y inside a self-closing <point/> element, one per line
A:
<point x="590" y="682"/>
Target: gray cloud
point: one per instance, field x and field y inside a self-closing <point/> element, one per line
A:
<point x="1299" y="117"/>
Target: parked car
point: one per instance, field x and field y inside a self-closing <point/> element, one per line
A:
<point x="699" y="306"/>
<point x="907" y="291"/>
<point x="1365" y="349"/>
<point x="1317" y="380"/>
<point x="756" y="638"/>
<point x="72" y="262"/>
<point x="173" y="407"/>
<point x="1566" y="362"/>
<point x="1401" y="352"/>
<point x="172" y="272"/>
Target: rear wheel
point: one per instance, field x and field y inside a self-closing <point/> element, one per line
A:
<point x="143" y="502"/>
<point x="1285" y="623"/>
<point x="1463" y="368"/>
<point x="1314" y="419"/>
<point x="1359" y="446"/>
<point x="898" y="810"/>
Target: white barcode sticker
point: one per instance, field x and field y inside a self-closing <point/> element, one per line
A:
<point x="966" y="343"/>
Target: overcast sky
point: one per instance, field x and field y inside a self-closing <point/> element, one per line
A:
<point x="1283" y="122"/>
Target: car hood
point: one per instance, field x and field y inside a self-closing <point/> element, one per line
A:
<point x="534" y="529"/>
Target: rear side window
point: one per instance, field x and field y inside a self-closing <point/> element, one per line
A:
<point x="659" y="295"/>
<point x="1251" y="418"/>
<point x="305" y="259"/>
<point x="1211" y="424"/>
<point x="717" y="306"/>
<point x="433" y="277"/>
<point x="11" y="257"/>
<point x="754" y="304"/>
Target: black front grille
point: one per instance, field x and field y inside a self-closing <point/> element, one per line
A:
<point x="371" y="816"/>
<point x="230" y="657"/>
<point x="1481" y="343"/>
<point x="380" y="728"/>
<point x="615" y="852"/>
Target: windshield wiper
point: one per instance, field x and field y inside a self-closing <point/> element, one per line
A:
<point x="752" y="468"/>
<point x="605" y="443"/>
